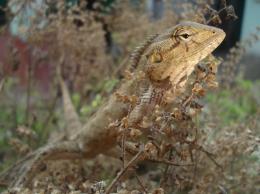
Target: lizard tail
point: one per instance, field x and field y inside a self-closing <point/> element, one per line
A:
<point x="71" y="117"/>
<point x="22" y="173"/>
<point x="70" y="114"/>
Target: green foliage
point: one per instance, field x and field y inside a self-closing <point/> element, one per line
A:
<point x="106" y="85"/>
<point x="86" y="110"/>
<point x="110" y="84"/>
<point x="103" y="88"/>
<point x="40" y="119"/>
<point x="234" y="104"/>
<point x="76" y="99"/>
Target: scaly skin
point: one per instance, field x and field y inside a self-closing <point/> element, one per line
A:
<point x="171" y="58"/>
<point x="168" y="59"/>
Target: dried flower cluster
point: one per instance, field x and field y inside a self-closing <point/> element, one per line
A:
<point x="171" y="137"/>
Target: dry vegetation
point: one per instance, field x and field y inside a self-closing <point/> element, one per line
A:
<point x="183" y="147"/>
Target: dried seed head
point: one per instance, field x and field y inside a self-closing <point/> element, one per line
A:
<point x="198" y="89"/>
<point x="135" y="133"/>
<point x="151" y="150"/>
<point x="158" y="191"/>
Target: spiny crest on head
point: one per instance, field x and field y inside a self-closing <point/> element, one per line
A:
<point x="138" y="52"/>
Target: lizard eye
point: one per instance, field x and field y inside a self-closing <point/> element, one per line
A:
<point x="185" y="36"/>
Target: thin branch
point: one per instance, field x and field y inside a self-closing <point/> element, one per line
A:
<point x="164" y="178"/>
<point x="120" y="66"/>
<point x="141" y="183"/>
<point x="131" y="149"/>
<point x="217" y="13"/>
<point x="124" y="170"/>
<point x="51" y="111"/>
<point x="168" y="162"/>
<point x="123" y="147"/>
<point x="211" y="158"/>
<point x="188" y="100"/>
<point x="27" y="113"/>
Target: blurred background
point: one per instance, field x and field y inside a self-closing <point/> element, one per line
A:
<point x="247" y="14"/>
<point x="95" y="38"/>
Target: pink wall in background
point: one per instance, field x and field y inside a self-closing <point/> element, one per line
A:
<point x="16" y="65"/>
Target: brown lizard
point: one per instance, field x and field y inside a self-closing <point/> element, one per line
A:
<point x="166" y="61"/>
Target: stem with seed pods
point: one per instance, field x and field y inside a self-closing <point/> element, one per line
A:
<point x="124" y="170"/>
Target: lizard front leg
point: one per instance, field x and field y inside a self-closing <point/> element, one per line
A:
<point x="146" y="103"/>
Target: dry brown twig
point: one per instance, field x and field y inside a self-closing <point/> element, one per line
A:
<point x="132" y="162"/>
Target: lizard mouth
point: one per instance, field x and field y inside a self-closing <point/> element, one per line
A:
<point x="219" y="36"/>
<point x="210" y="44"/>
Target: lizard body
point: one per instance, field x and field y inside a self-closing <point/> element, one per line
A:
<point x="173" y="55"/>
<point x="168" y="59"/>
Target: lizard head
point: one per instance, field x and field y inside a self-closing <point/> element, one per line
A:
<point x="175" y="53"/>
